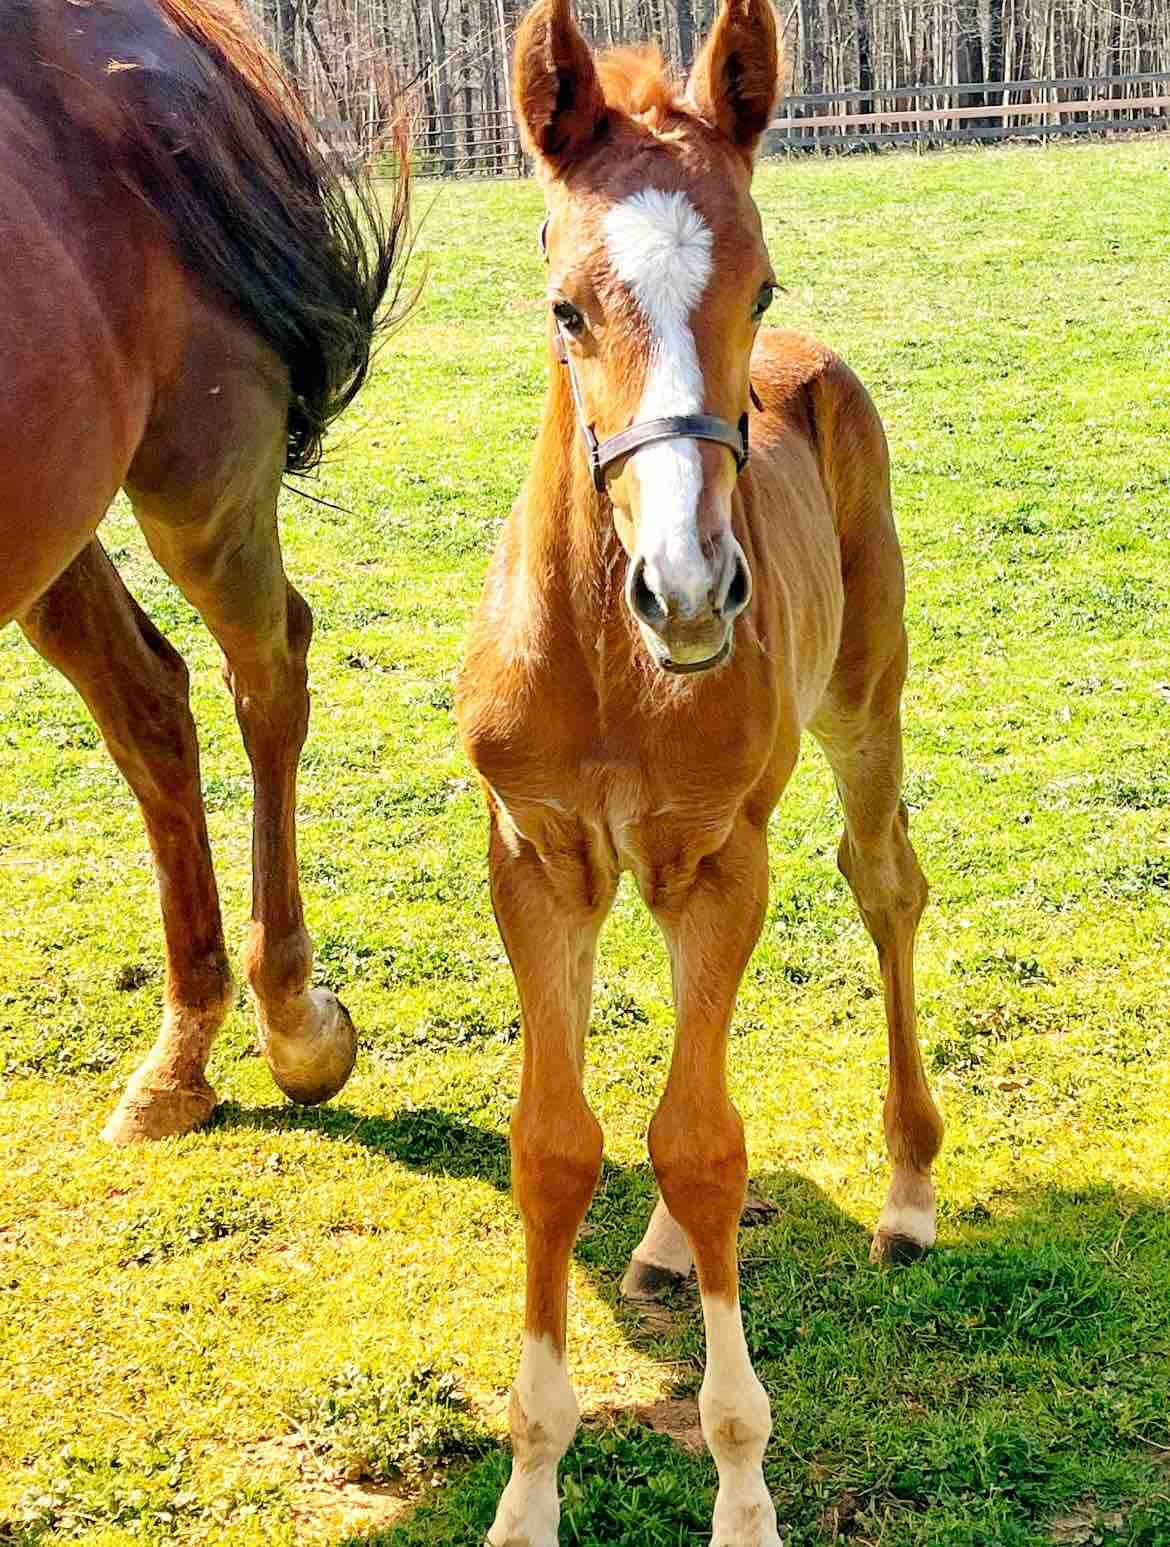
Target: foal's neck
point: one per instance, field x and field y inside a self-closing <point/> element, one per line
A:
<point x="569" y="535"/>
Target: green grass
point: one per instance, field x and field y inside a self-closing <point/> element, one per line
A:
<point x="193" y="1333"/>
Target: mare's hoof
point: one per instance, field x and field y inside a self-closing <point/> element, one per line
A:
<point x="312" y="1063"/>
<point x="893" y="1250"/>
<point x="149" y="1111"/>
<point x="645" y="1281"/>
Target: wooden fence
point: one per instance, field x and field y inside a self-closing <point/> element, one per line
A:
<point x="976" y="111"/>
<point x="485" y="144"/>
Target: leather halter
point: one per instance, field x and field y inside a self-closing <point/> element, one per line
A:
<point x="602" y="454"/>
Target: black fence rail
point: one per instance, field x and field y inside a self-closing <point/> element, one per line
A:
<point x="483" y="144"/>
<point x="479" y="144"/>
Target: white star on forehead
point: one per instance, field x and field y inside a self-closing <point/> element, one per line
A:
<point x="660" y="247"/>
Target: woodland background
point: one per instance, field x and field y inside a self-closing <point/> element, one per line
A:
<point x="452" y="55"/>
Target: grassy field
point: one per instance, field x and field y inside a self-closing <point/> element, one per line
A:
<point x="198" y="1340"/>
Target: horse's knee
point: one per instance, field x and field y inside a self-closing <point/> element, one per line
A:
<point x="299" y="623"/>
<point x="162" y="697"/>
<point x="885" y="878"/>
<point x="556" y="1163"/>
<point x="701" y="1166"/>
<point x="268" y="677"/>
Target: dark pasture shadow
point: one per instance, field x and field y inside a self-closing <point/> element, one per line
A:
<point x="1011" y="1390"/>
<point x="434" y="1142"/>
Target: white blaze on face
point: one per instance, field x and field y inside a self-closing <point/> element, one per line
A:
<point x="660" y="248"/>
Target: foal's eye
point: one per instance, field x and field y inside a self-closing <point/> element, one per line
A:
<point x="763" y="300"/>
<point x="569" y="317"/>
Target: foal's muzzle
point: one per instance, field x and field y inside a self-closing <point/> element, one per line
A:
<point x="685" y="632"/>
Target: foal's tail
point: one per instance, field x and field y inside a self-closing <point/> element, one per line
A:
<point x="211" y="134"/>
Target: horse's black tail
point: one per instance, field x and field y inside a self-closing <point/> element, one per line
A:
<point x="216" y="140"/>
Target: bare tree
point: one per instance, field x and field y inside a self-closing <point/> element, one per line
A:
<point x="454" y="55"/>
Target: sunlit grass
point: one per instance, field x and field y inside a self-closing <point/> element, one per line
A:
<point x="164" y="1311"/>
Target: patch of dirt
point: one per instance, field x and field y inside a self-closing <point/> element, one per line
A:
<point x="840" y="1517"/>
<point x="291" y="1259"/>
<point x="757" y="1211"/>
<point x="676" y="1417"/>
<point x="654" y="1320"/>
<point x="1083" y="1525"/>
<point x="131" y="975"/>
<point x="326" y="1507"/>
<point x="336" y="1510"/>
<point x="1158" y="1454"/>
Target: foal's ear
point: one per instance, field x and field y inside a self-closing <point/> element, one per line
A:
<point x="736" y="78"/>
<point x="560" y="106"/>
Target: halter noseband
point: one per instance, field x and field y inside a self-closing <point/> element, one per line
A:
<point x="646" y="432"/>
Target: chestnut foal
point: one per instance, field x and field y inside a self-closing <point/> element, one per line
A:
<point x="660" y="622"/>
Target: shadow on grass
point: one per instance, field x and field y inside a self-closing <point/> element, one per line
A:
<point x="1012" y="1390"/>
<point x="432" y="1141"/>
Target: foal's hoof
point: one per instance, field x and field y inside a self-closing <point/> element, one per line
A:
<point x="645" y="1281"/>
<point x="892" y="1250"/>
<point x="149" y="1111"/>
<point x="906" y="1228"/>
<point x="313" y="1062"/>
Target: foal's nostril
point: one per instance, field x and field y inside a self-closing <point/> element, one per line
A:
<point x="740" y="590"/>
<point x="643" y="603"/>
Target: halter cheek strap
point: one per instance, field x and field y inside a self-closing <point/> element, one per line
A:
<point x="602" y="454"/>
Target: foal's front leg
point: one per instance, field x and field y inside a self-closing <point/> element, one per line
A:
<point x="697" y="1147"/>
<point x="549" y="912"/>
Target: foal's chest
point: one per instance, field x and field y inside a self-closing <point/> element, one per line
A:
<point x="652" y="802"/>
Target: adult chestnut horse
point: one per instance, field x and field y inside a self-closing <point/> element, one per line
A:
<point x="189" y="295"/>
<point x="660" y="622"/>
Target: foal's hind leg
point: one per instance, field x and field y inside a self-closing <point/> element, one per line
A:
<point x="215" y="535"/>
<point x="135" y="685"/>
<point x="860" y="730"/>
<point x="662" y="1260"/>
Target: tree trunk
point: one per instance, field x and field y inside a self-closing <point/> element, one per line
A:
<point x="442" y="87"/>
<point x="685" y="22"/>
<point x="864" y="55"/>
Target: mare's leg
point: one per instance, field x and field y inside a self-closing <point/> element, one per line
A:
<point x="205" y="496"/>
<point x="549" y="911"/>
<point x="135" y="685"/>
<point x="859" y="727"/>
<point x="711" y="926"/>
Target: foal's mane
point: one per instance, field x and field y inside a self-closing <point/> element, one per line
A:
<point x="218" y="144"/>
<point x="637" y="80"/>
